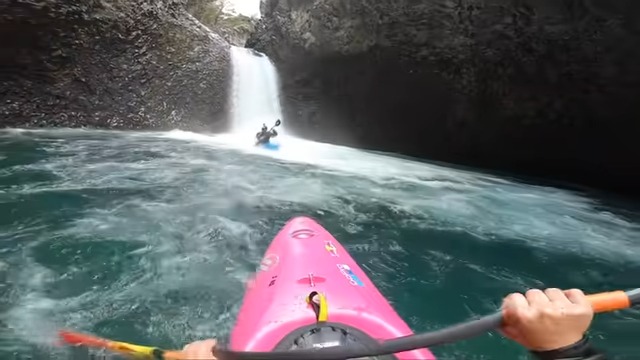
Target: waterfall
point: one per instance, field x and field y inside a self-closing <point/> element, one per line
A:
<point x="255" y="92"/>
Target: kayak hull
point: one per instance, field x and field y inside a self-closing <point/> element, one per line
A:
<point x="271" y="146"/>
<point x="303" y="258"/>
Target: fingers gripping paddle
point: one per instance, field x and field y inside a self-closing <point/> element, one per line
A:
<point x="601" y="302"/>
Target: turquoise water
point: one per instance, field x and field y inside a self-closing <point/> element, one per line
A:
<point x="148" y="237"/>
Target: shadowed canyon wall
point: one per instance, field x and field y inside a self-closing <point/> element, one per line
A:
<point x="542" y="87"/>
<point x="128" y="64"/>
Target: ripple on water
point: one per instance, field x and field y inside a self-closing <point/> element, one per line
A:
<point x="82" y="264"/>
<point x="146" y="238"/>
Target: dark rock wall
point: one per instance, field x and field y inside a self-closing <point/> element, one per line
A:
<point x="542" y="87"/>
<point x="109" y="63"/>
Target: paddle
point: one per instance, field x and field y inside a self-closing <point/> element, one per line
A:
<point x="278" y="122"/>
<point x="601" y="302"/>
<point x="75" y="338"/>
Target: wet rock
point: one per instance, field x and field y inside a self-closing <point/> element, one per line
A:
<point x="96" y="62"/>
<point x="539" y="87"/>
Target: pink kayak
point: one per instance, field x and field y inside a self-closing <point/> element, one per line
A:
<point x="309" y="293"/>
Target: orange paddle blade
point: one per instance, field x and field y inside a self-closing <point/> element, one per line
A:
<point x="74" y="338"/>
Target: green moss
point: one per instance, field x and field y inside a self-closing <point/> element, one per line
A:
<point x="207" y="12"/>
<point x="211" y="14"/>
<point x="239" y="24"/>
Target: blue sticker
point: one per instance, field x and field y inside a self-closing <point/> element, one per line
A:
<point x="350" y="275"/>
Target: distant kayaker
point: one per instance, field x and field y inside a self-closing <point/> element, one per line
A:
<point x="551" y="324"/>
<point x="265" y="134"/>
<point x="262" y="133"/>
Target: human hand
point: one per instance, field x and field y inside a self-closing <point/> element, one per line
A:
<point x="548" y="320"/>
<point x="199" y="350"/>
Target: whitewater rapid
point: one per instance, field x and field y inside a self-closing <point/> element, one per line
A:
<point x="484" y="205"/>
<point x="149" y="236"/>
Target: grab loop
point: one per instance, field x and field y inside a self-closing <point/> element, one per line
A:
<point x="319" y="304"/>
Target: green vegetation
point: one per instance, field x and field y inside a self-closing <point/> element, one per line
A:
<point x="207" y="12"/>
<point x="237" y="22"/>
<point x="235" y="28"/>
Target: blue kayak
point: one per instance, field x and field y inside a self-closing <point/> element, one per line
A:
<point x="270" y="146"/>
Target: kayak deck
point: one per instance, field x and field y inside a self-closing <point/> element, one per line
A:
<point x="305" y="258"/>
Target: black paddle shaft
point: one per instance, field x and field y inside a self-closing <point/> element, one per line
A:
<point x="448" y="335"/>
<point x="451" y="334"/>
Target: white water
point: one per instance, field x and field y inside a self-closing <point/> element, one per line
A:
<point x="255" y="93"/>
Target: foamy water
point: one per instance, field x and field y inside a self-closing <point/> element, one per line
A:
<point x="164" y="227"/>
<point x="483" y="204"/>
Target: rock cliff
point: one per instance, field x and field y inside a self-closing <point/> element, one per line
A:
<point x="126" y="64"/>
<point x="540" y="87"/>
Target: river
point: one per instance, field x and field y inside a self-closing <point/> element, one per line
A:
<point x="148" y="237"/>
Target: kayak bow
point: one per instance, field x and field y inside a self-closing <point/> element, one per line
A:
<point x="311" y="300"/>
<point x="601" y="302"/>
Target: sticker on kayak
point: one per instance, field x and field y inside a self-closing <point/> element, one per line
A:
<point x="350" y="275"/>
<point x="331" y="248"/>
<point x="269" y="262"/>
